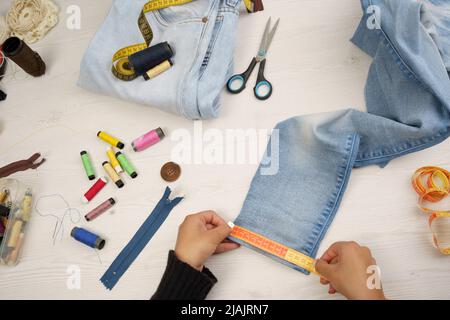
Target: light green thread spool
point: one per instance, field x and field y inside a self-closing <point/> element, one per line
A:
<point x="87" y="165"/>
<point x="126" y="165"/>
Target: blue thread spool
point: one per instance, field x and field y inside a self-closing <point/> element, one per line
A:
<point x="143" y="61"/>
<point x="88" y="238"/>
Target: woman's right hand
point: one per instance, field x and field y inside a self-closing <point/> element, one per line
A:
<point x="344" y="267"/>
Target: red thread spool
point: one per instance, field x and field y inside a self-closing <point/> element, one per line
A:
<point x="92" y="192"/>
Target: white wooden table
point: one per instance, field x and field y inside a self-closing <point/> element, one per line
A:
<point x="313" y="67"/>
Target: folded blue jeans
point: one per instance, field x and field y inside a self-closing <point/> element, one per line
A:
<point x="408" y="103"/>
<point x="202" y="34"/>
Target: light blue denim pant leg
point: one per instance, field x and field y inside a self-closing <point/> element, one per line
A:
<point x="202" y="34"/>
<point x="408" y="103"/>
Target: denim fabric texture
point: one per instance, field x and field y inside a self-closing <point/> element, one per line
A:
<point x="202" y="34"/>
<point x="408" y="102"/>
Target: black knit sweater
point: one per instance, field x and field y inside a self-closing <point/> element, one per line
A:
<point x="182" y="282"/>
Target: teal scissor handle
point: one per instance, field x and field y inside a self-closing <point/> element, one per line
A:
<point x="236" y="84"/>
<point x="263" y="89"/>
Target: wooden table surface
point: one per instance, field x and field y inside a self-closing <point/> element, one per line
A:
<point x="314" y="68"/>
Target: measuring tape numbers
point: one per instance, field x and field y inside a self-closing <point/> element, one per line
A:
<point x="258" y="241"/>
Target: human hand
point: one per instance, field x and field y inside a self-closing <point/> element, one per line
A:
<point x="200" y="236"/>
<point x="344" y="268"/>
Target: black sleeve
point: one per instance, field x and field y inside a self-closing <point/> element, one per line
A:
<point x="182" y="282"/>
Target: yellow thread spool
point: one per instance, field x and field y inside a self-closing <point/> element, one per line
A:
<point x="113" y="160"/>
<point x="110" y="139"/>
<point x="12" y="257"/>
<point x="156" y="71"/>
<point x="15" y="233"/>
<point x="26" y="206"/>
<point x="112" y="174"/>
<point x="4" y="195"/>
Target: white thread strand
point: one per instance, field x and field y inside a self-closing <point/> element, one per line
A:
<point x="59" y="225"/>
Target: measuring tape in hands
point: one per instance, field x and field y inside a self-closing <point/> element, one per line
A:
<point x="437" y="188"/>
<point x="258" y="241"/>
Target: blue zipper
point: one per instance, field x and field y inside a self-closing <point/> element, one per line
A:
<point x="145" y="233"/>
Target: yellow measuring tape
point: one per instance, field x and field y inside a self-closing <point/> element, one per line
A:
<point x="121" y="67"/>
<point x="274" y="248"/>
<point x="436" y="188"/>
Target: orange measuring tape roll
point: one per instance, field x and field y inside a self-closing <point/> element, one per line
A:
<point x="432" y="184"/>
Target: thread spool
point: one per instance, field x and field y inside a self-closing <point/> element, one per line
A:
<point x="12" y="257"/>
<point x="148" y="139"/>
<point x="26" y="205"/>
<point x="15" y="233"/>
<point x="110" y="139"/>
<point x="4" y="196"/>
<point x="112" y="174"/>
<point x="113" y="160"/>
<point x="149" y="58"/>
<point x="4" y="210"/>
<point x="19" y="52"/>
<point x="126" y="165"/>
<point x="156" y="71"/>
<point x="102" y="208"/>
<point x="88" y="238"/>
<point x="87" y="164"/>
<point x="95" y="189"/>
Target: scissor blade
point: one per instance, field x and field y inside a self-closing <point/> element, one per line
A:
<point x="263" y="45"/>
<point x="272" y="34"/>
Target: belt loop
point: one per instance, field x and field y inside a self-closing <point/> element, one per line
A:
<point x="233" y="3"/>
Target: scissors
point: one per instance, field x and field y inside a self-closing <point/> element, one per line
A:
<point x="263" y="88"/>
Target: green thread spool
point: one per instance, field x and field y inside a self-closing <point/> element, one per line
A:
<point x="87" y="164"/>
<point x="126" y="165"/>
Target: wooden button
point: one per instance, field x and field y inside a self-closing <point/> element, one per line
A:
<point x="170" y="172"/>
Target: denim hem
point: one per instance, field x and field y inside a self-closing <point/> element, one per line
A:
<point x="343" y="176"/>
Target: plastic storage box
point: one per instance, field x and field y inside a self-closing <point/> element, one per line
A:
<point x="16" y="203"/>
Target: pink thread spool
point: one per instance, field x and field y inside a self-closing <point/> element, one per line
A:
<point x="147" y="140"/>
<point x="102" y="208"/>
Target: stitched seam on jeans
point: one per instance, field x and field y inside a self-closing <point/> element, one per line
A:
<point x="330" y="211"/>
<point x="211" y="46"/>
<point x="404" y="67"/>
<point x="406" y="150"/>
<point x="180" y="102"/>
